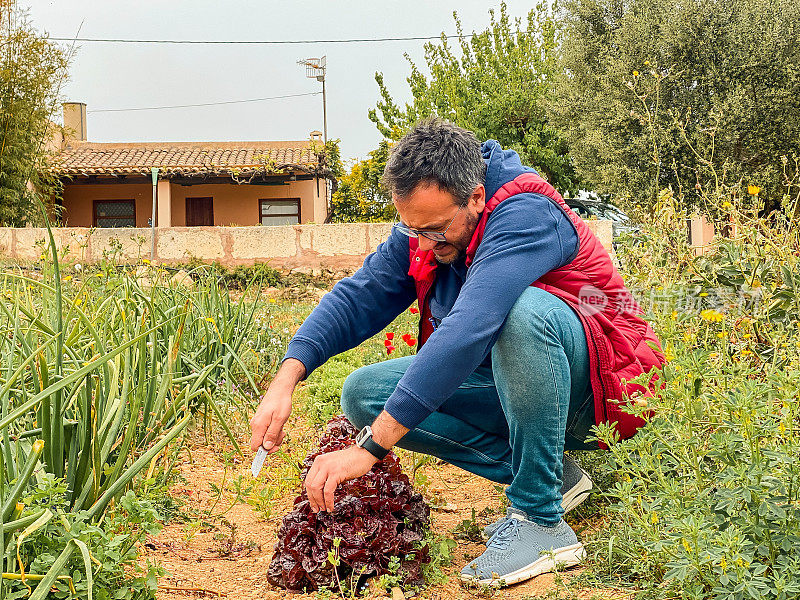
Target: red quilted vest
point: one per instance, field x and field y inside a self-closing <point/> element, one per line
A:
<point x="621" y="344"/>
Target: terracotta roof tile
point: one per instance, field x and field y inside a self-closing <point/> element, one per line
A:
<point x="183" y="158"/>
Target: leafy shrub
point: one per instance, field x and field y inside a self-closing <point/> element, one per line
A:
<point x="113" y="547"/>
<point x="376" y="517"/>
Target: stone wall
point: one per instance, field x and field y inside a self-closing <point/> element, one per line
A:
<point x="332" y="246"/>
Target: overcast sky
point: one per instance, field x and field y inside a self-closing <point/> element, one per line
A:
<point x="107" y="76"/>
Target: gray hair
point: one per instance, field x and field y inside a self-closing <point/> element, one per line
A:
<point x="435" y="151"/>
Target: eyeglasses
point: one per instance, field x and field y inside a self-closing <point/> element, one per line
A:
<point x="436" y="236"/>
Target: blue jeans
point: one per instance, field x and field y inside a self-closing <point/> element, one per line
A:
<point x="509" y="423"/>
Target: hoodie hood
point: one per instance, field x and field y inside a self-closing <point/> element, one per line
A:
<point x="501" y="166"/>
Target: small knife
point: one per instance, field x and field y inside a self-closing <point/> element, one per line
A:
<point x="258" y="461"/>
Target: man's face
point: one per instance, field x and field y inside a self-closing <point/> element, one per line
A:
<point x="431" y="208"/>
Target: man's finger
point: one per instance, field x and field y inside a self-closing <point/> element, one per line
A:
<point x="274" y="430"/>
<point x="278" y="442"/>
<point x="330" y="488"/>
<point x="317" y="483"/>
<point x="313" y="491"/>
<point x="258" y="427"/>
<point x="309" y="485"/>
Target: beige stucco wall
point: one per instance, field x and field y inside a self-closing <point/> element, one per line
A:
<point x="239" y="204"/>
<point x="331" y="246"/>
<point x="233" y="204"/>
<point x="79" y="199"/>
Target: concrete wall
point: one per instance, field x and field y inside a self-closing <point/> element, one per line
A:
<point x="233" y="204"/>
<point x="331" y="246"/>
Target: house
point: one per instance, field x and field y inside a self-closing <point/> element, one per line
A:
<point x="199" y="183"/>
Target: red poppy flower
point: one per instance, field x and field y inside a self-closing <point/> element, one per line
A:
<point x="387" y="343"/>
<point x="389" y="335"/>
<point x="389" y="349"/>
<point x="411" y="341"/>
<point x="413" y="310"/>
<point x="405" y="337"/>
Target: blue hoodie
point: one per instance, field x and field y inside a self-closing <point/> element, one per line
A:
<point x="526" y="236"/>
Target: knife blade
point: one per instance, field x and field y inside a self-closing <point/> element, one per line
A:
<point x="258" y="461"/>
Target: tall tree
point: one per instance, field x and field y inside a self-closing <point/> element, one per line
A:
<point x="31" y="70"/>
<point x="685" y="93"/>
<point x="496" y="86"/>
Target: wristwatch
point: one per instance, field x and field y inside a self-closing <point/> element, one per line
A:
<point x="364" y="440"/>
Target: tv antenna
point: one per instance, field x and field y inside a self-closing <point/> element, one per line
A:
<point x="315" y="69"/>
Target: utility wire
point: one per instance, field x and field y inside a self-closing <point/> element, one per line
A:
<point x="333" y="41"/>
<point x="99" y="110"/>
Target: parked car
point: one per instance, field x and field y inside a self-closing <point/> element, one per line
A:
<point x="590" y="207"/>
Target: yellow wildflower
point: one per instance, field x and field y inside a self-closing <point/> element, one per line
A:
<point x="686" y="545"/>
<point x="781" y="427"/>
<point x="746" y="352"/>
<point x="68" y="278"/>
<point x="654" y="518"/>
<point x="146" y="261"/>
<point x="747" y="336"/>
<point x="674" y="314"/>
<point x="636" y="73"/>
<point x="713" y="355"/>
<point x="723" y="563"/>
<point x="712" y="316"/>
<point x="721" y="334"/>
<point x="209" y="319"/>
<point x="703" y="294"/>
<point x="727" y="204"/>
<point x="753" y="190"/>
<point x="78" y="301"/>
<point x="273" y="300"/>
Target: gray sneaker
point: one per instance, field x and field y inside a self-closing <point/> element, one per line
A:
<point x="574" y="490"/>
<point x="521" y="549"/>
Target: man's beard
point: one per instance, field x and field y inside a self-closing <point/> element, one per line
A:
<point x="470" y="226"/>
<point x="450" y="259"/>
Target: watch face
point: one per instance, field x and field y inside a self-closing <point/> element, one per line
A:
<point x="363" y="435"/>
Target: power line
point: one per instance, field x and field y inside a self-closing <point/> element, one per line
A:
<point x="203" y="103"/>
<point x="332" y="41"/>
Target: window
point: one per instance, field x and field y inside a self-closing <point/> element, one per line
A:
<point x="114" y="213"/>
<point x="283" y="211"/>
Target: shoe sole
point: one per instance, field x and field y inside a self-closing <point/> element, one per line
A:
<point x="577" y="494"/>
<point x="574" y="497"/>
<point x="569" y="556"/>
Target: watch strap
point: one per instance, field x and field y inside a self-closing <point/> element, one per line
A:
<point x="374" y="448"/>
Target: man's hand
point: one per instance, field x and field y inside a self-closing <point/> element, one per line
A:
<point x="331" y="469"/>
<point x="275" y="407"/>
